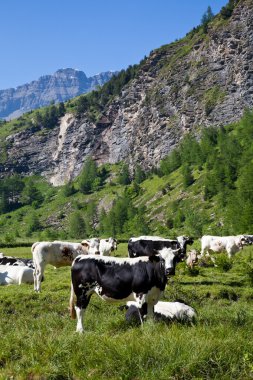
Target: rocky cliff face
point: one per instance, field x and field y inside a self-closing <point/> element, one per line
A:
<point x="59" y="87"/>
<point x="202" y="80"/>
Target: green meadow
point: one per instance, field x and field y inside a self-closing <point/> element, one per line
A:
<point x="38" y="338"/>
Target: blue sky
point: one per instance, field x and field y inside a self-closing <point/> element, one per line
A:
<point x="40" y="36"/>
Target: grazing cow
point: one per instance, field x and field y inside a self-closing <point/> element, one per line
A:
<point x="58" y="254"/>
<point x="192" y="258"/>
<point x="163" y="311"/>
<point x="115" y="279"/>
<point x="230" y="244"/>
<point x="10" y="260"/>
<point x="10" y="274"/>
<point x="154" y="245"/>
<point x="107" y="246"/>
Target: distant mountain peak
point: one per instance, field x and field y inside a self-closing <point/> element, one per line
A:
<point x="64" y="84"/>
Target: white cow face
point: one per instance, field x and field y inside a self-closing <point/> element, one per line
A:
<point x="170" y="257"/>
<point x="92" y="246"/>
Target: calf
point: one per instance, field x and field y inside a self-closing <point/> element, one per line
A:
<point x="16" y="261"/>
<point x="192" y="258"/>
<point x="107" y="246"/>
<point x="163" y="311"/>
<point x="15" y="275"/>
<point x="230" y="244"/>
<point x="58" y="254"/>
<point x="114" y="279"/>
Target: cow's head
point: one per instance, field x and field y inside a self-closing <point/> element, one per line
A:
<point x="93" y="246"/>
<point x="113" y="243"/>
<point x="160" y="270"/>
<point x="85" y="246"/>
<point x="171" y="258"/>
<point x="183" y="240"/>
<point x="248" y="239"/>
<point x="241" y="241"/>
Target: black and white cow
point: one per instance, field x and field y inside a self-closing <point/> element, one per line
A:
<point x="163" y="311"/>
<point x="114" y="279"/>
<point x="155" y="245"/>
<point x="16" y="261"/>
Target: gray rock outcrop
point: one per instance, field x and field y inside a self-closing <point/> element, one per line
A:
<point x="202" y="80"/>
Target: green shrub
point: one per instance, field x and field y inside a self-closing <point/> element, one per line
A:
<point x="223" y="262"/>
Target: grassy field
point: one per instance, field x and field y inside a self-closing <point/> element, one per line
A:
<point x="38" y="339"/>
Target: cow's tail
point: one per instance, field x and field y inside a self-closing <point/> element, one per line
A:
<point x="72" y="309"/>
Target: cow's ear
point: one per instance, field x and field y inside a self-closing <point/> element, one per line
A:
<point x="85" y="243"/>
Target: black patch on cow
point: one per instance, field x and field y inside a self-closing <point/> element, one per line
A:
<point x="16" y="261"/>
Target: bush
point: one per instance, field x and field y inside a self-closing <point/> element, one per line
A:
<point x="223" y="262"/>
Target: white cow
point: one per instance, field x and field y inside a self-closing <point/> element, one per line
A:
<point x="58" y="254"/>
<point x="230" y="244"/>
<point x="166" y="311"/>
<point x="107" y="246"/>
<point x="16" y="275"/>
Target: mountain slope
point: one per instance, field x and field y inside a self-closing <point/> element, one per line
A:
<point x="64" y="84"/>
<point x="204" y="79"/>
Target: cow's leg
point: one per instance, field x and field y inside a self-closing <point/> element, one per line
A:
<point x="81" y="305"/>
<point x="150" y="310"/>
<point x="39" y="275"/>
<point x="35" y="279"/>
<point x="79" y="315"/>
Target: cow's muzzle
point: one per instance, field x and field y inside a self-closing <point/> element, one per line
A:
<point x="170" y="272"/>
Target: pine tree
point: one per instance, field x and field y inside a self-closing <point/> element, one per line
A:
<point x="88" y="176"/>
<point x="124" y="176"/>
<point x="77" y="228"/>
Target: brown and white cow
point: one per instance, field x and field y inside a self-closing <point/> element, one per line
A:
<point x="58" y="254"/>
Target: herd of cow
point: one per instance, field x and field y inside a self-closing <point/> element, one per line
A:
<point x="137" y="280"/>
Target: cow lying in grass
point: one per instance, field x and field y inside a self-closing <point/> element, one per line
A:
<point x="163" y="311"/>
<point x="140" y="279"/>
<point x="10" y="260"/>
<point x="15" y="274"/>
<point x="58" y="254"/>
